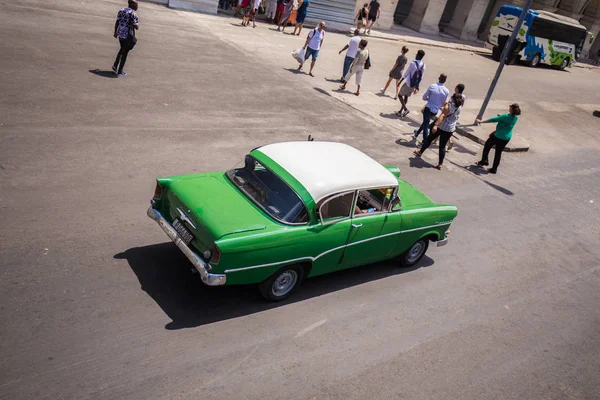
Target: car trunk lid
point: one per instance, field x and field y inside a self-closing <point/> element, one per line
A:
<point x="212" y="208"/>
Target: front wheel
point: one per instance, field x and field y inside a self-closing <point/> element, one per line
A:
<point x="534" y="62"/>
<point x="415" y="253"/>
<point x="282" y="283"/>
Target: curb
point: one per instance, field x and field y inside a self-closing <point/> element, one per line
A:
<point x="462" y="132"/>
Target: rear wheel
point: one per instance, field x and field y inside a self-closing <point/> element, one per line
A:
<point x="415" y="253"/>
<point x="282" y="283"/>
<point x="534" y="62"/>
<point x="564" y="64"/>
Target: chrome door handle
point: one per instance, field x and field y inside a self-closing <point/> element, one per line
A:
<point x="356" y="225"/>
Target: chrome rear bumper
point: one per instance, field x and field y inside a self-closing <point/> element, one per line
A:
<point x="442" y="242"/>
<point x="200" y="264"/>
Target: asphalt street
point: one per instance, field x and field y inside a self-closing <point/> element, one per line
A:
<point x="95" y="303"/>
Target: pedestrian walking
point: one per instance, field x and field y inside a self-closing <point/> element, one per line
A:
<point x="352" y="48"/>
<point x="460" y="88"/>
<point x="374" y="11"/>
<point x="444" y="127"/>
<point x="300" y="16"/>
<point x="412" y="79"/>
<point x="435" y="96"/>
<point x="271" y="10"/>
<point x="396" y="72"/>
<point x="250" y="14"/>
<point x="313" y="44"/>
<point x="358" y="66"/>
<point x="125" y="26"/>
<point x="500" y="137"/>
<point x="361" y="17"/>
<point x="288" y="5"/>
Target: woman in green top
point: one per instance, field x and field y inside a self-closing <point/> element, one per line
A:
<point x="500" y="137"/>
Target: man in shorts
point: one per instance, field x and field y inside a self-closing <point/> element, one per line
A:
<point x="313" y="44"/>
<point x="412" y="79"/>
<point x="374" y="11"/>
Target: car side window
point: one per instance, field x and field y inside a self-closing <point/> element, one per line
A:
<point x="336" y="208"/>
<point x="373" y="201"/>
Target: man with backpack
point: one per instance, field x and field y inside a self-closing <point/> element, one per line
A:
<point x="412" y="79"/>
<point x="313" y="44"/>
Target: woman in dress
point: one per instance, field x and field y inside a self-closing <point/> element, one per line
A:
<point x="287" y="11"/>
<point x="396" y="72"/>
<point x="301" y="16"/>
<point x="444" y="127"/>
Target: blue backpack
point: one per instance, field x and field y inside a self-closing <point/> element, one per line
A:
<point x="417" y="76"/>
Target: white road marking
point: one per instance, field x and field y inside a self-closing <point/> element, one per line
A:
<point x="310" y="328"/>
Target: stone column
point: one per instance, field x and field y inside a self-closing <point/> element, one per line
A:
<point x="573" y="8"/>
<point x="546" y="5"/>
<point x="425" y="16"/>
<point x="205" y="6"/>
<point x="466" y="19"/>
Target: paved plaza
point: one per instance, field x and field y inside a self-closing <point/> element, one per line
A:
<point x="97" y="304"/>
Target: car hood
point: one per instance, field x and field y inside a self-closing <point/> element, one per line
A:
<point x="411" y="196"/>
<point x="216" y="205"/>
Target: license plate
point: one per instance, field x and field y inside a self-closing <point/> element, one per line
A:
<point x="182" y="231"/>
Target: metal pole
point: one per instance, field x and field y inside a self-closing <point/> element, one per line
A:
<point x="507" y="48"/>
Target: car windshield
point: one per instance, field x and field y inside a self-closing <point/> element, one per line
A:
<point x="269" y="192"/>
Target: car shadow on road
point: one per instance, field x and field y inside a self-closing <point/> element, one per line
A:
<point x="165" y="274"/>
<point x="104" y="74"/>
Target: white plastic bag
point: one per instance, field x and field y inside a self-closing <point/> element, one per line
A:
<point x="298" y="54"/>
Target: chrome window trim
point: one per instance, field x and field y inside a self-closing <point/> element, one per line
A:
<point x="335" y="196"/>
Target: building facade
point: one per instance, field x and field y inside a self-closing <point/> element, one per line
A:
<point x="471" y="19"/>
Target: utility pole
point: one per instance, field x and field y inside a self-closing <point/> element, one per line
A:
<point x="507" y="47"/>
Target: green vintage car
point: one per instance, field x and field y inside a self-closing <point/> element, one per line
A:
<point x="296" y="210"/>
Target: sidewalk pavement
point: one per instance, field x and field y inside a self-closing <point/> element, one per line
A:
<point x="402" y="34"/>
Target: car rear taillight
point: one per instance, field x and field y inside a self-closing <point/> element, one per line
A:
<point x="157" y="191"/>
<point x="216" y="255"/>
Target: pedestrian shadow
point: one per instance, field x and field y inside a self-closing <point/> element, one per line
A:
<point x="104" y="74"/>
<point x="322" y="91"/>
<point x="295" y="71"/>
<point x="418" y="162"/>
<point x="459" y="148"/>
<point x="476" y="170"/>
<point x="596" y="113"/>
<point x="164" y="273"/>
<point x="499" y="188"/>
<point x="239" y="25"/>
<point x="333" y="80"/>
<point x="392" y="116"/>
<point x="407" y="143"/>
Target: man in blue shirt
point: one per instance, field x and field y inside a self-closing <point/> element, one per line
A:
<point x="436" y="96"/>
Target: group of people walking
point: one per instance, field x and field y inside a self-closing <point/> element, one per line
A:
<point x="408" y="76"/>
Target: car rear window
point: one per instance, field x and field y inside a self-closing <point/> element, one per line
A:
<point x="269" y="192"/>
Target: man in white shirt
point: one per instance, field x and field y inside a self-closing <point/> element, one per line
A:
<point x="412" y="79"/>
<point x="352" y="47"/>
<point x="313" y="44"/>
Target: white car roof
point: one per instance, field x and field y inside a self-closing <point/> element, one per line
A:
<point x="325" y="168"/>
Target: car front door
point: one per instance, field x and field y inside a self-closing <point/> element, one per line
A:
<point x="375" y="228"/>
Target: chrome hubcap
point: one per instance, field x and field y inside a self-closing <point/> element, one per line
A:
<point x="416" y="251"/>
<point x="536" y="59"/>
<point x="564" y="63"/>
<point x="284" y="283"/>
